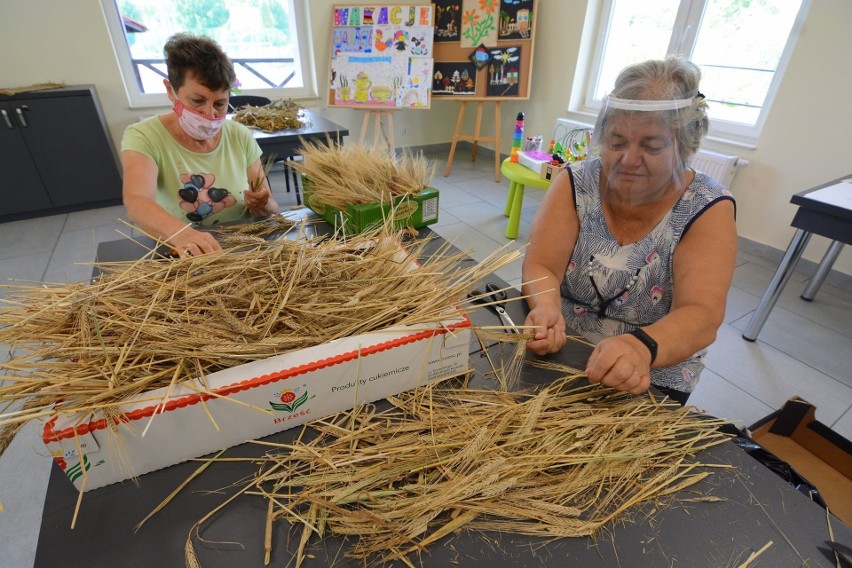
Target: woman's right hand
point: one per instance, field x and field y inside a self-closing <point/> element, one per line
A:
<point x="549" y="331"/>
<point x="192" y="242"/>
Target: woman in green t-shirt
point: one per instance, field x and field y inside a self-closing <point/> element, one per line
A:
<point x="192" y="167"/>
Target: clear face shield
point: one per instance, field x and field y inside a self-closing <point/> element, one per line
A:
<point x="642" y="160"/>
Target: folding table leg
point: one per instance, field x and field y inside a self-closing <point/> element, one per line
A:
<point x="776" y="285"/>
<point x="822" y="270"/>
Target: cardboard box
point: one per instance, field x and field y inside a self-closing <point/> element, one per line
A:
<point x="815" y="451"/>
<point x="415" y="211"/>
<point x="539" y="162"/>
<point x="291" y="389"/>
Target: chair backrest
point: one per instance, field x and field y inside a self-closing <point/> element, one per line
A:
<point x="237" y="102"/>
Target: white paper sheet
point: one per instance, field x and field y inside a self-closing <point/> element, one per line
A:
<point x="839" y="194"/>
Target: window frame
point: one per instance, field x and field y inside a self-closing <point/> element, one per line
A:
<point x="300" y="24"/>
<point x="584" y="107"/>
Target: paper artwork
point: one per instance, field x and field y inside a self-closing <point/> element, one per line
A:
<point x="447" y="20"/>
<point x="504" y="72"/>
<point x="454" y="78"/>
<point x="382" y="56"/>
<point x="479" y="22"/>
<point x="515" y="19"/>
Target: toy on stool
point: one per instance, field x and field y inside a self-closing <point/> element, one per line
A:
<point x="518" y="138"/>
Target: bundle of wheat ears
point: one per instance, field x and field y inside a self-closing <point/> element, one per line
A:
<point x="355" y="174"/>
<point x="277" y="115"/>
<point x="142" y="325"/>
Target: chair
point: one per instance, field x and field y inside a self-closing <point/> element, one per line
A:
<point x="520" y="176"/>
<point x="237" y="102"/>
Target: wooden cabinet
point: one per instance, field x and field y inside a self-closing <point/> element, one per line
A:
<point x="56" y="154"/>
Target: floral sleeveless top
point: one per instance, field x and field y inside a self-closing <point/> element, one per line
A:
<point x="610" y="289"/>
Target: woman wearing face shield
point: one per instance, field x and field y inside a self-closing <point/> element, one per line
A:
<point x="191" y="167"/>
<point x="633" y="248"/>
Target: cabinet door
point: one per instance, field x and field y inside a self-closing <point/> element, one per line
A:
<point x="21" y="188"/>
<point x="71" y="149"/>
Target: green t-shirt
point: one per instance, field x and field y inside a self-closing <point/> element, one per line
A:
<point x="203" y="188"/>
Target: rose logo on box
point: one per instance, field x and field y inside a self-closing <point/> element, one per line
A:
<point x="290" y="401"/>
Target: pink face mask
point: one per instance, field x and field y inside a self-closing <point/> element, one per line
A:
<point x="197" y="125"/>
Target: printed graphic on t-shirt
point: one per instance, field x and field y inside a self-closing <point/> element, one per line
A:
<point x="200" y="199"/>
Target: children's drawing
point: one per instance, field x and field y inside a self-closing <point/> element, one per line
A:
<point x="454" y="78"/>
<point x="353" y="40"/>
<point x="415" y="93"/>
<point x="515" y="19"/>
<point x="479" y="22"/>
<point x="504" y="72"/>
<point x="447" y="20"/>
<point x="479" y="56"/>
<point x="382" y="56"/>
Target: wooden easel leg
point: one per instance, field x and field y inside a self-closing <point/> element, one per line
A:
<point x="364" y="124"/>
<point x="479" y="106"/>
<point x="497" y="141"/>
<point x="390" y="132"/>
<point x="459" y="121"/>
<point x="378" y="117"/>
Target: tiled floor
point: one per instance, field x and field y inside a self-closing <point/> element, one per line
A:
<point x="803" y="349"/>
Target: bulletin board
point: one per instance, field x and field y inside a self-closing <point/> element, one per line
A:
<point x="483" y="49"/>
<point x="381" y="56"/>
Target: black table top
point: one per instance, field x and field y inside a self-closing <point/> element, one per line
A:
<point x="830" y="220"/>
<point x="802" y="199"/>
<point x="755" y="507"/>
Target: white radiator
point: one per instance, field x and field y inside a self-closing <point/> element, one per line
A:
<point x="720" y="167"/>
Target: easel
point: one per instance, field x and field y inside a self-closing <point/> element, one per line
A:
<point x="476" y="138"/>
<point x="378" y="116"/>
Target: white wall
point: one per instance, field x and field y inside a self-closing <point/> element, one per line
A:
<point x="804" y="143"/>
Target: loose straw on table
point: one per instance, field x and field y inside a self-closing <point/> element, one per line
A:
<point x="142" y="325"/>
<point x="560" y="462"/>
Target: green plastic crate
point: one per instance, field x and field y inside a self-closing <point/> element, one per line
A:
<point x="417" y="210"/>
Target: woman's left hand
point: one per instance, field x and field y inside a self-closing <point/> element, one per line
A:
<point x="256" y="201"/>
<point x="621" y="362"/>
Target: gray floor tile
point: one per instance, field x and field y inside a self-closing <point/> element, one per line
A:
<point x="95" y="217"/>
<point x="24" y="471"/>
<point x="772" y="376"/>
<point x="814" y="345"/>
<point x="24" y="270"/>
<point x="30" y="236"/>
<point x="451" y="195"/>
<point x="487" y="190"/>
<point x="827" y="309"/>
<point x="843" y="425"/>
<point x="445" y="218"/>
<point x="72" y="259"/>
<point x="476" y="244"/>
<point x="739" y="304"/>
<point x="716" y="396"/>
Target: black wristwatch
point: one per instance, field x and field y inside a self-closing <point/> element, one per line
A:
<point x="649" y="342"/>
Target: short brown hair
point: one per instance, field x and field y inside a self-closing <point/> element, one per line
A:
<point x="203" y="57"/>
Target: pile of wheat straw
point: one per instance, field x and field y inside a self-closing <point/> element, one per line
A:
<point x="354" y="174"/>
<point x="277" y="115"/>
<point x="151" y="323"/>
<point x="561" y="462"/>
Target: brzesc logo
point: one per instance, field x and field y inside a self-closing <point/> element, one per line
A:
<point x="289" y="401"/>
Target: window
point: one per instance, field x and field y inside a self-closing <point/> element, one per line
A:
<point x="741" y="46"/>
<point x="266" y="40"/>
